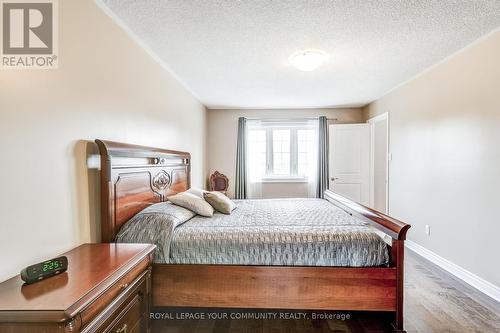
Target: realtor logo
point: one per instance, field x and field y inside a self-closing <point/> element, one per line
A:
<point x="29" y="34"/>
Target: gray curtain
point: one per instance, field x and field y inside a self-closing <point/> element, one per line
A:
<point x="322" y="183"/>
<point x="241" y="160"/>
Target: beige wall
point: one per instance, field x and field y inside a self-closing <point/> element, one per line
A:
<point x="445" y="142"/>
<point x="222" y="131"/>
<point x="106" y="87"/>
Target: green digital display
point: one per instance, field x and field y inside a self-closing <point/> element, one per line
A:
<point x="43" y="270"/>
<point x="51" y="265"/>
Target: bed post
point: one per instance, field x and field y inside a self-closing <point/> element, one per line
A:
<point x="107" y="208"/>
<point x="398" y="248"/>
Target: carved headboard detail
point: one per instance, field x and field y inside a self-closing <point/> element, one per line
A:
<point x="135" y="177"/>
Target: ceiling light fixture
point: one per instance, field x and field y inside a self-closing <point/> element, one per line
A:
<point x="308" y="60"/>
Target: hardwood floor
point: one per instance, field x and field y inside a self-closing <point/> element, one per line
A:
<point x="435" y="302"/>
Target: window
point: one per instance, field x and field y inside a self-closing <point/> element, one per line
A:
<point x="281" y="151"/>
<point x="305" y="145"/>
<point x="257" y="153"/>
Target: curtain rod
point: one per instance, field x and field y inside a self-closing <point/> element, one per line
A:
<point x="284" y="119"/>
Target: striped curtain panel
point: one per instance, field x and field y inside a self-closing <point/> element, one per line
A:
<point x="241" y="160"/>
<point x="322" y="183"/>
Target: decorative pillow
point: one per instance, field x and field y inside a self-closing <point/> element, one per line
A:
<point x="196" y="191"/>
<point x="155" y="225"/>
<point x="193" y="203"/>
<point x="220" y="202"/>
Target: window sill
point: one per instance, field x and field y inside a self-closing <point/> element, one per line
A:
<point x="284" y="180"/>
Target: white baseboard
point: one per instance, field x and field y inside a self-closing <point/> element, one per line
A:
<point x="475" y="281"/>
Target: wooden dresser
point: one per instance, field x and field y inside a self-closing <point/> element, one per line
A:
<point x="107" y="288"/>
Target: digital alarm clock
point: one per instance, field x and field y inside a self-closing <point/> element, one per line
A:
<point x="43" y="270"/>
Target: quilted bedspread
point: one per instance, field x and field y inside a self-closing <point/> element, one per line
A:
<point x="288" y="232"/>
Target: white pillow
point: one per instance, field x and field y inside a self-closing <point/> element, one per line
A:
<point x="219" y="202"/>
<point x="196" y="191"/>
<point x="193" y="203"/>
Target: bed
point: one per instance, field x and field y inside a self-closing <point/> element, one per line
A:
<point x="307" y="254"/>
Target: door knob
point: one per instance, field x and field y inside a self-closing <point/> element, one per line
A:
<point x="334" y="179"/>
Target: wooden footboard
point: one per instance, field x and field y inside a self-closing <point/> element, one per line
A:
<point x="390" y="226"/>
<point x="275" y="287"/>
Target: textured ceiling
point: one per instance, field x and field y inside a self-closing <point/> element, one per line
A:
<point x="235" y="53"/>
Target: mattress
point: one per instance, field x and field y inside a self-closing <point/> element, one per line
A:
<point x="285" y="232"/>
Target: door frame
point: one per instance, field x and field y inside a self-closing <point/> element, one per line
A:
<point x="372" y="121"/>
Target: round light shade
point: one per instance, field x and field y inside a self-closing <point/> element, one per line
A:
<point x="308" y="60"/>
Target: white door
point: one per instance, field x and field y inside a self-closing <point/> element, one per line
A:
<point x="349" y="161"/>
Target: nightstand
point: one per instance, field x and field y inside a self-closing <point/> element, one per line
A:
<point x="107" y="288"/>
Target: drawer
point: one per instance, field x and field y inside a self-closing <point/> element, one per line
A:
<point x="89" y="313"/>
<point x="130" y="320"/>
<point x="126" y="313"/>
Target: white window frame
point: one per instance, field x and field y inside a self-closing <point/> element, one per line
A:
<point x="270" y="177"/>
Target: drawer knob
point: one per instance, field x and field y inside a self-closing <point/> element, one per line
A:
<point x="123" y="286"/>
<point x="123" y="329"/>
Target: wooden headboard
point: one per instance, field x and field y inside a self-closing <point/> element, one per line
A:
<point x="135" y="177"/>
